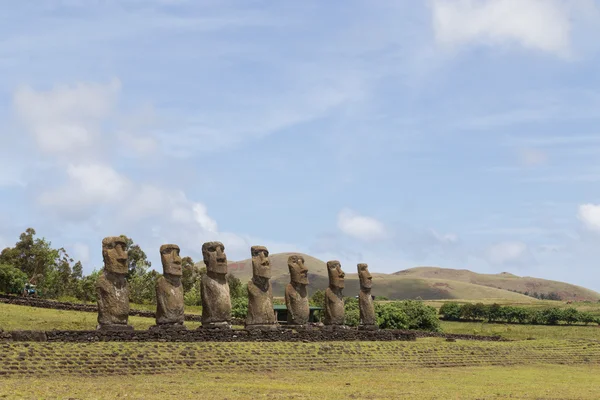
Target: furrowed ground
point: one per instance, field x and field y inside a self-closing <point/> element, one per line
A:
<point x="562" y="362"/>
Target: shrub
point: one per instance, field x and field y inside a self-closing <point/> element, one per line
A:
<point x="352" y="311"/>
<point x="239" y="307"/>
<point x="12" y="280"/>
<point x="408" y="314"/>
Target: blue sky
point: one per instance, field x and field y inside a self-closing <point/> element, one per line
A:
<point x="463" y="134"/>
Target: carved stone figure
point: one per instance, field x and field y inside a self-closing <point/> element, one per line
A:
<point x="366" y="307"/>
<point x="334" y="302"/>
<point x="169" y="290"/>
<point x="260" y="292"/>
<point x="111" y="287"/>
<point x="216" y="302"/>
<point x="296" y="295"/>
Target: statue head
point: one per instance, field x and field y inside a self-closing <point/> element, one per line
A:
<point x="261" y="265"/>
<point x="171" y="261"/>
<point x="114" y="253"/>
<point x="336" y="275"/>
<point x="298" y="272"/>
<point x="214" y="257"/>
<point x="364" y="276"/>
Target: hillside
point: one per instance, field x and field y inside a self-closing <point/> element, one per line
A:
<point x="502" y="280"/>
<point x="427" y="283"/>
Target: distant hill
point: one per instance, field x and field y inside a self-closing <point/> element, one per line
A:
<point x="504" y="281"/>
<point x="428" y="283"/>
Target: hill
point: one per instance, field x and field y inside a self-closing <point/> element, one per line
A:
<point x="504" y="281"/>
<point x="428" y="283"/>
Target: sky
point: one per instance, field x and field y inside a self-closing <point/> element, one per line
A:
<point x="451" y="133"/>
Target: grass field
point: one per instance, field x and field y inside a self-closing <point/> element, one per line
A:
<point x="523" y="382"/>
<point x="523" y="332"/>
<point x="13" y="317"/>
<point x="563" y="362"/>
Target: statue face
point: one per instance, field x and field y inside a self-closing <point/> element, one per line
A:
<point x="114" y="254"/>
<point x="171" y="261"/>
<point x="261" y="265"/>
<point x="364" y="276"/>
<point x="298" y="272"/>
<point x="214" y="257"/>
<point x="336" y="275"/>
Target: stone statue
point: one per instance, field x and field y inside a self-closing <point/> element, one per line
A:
<point x="368" y="321"/>
<point x="111" y="287"/>
<point x="334" y="302"/>
<point x="216" y="302"/>
<point x="169" y="290"/>
<point x="296" y="295"/>
<point x="260" y="292"/>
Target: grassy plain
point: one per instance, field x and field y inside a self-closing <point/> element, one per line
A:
<point x="13" y="317"/>
<point x="523" y="382"/>
<point x="523" y="332"/>
<point x="563" y="362"/>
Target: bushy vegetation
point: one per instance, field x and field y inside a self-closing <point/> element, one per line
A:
<point x="452" y="311"/>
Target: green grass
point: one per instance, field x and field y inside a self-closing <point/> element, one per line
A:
<point x="13" y="317"/>
<point x="526" y="382"/>
<point x="334" y="370"/>
<point x="522" y="332"/>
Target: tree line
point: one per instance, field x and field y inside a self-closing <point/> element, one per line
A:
<point x="453" y="311"/>
<point x="58" y="276"/>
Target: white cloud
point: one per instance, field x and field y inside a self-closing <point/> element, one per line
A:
<point x="89" y="184"/>
<point x="446" y="238"/>
<point x="532" y="157"/>
<point x="506" y="252"/>
<point x="589" y="215"/>
<point x="536" y="24"/>
<point x="360" y="227"/>
<point x="67" y="118"/>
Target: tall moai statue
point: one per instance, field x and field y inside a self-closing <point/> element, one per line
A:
<point x="216" y="302"/>
<point x="296" y="295"/>
<point x="260" y="292"/>
<point x="169" y="290"/>
<point x="334" y="302"/>
<point x="111" y="287"/>
<point x="368" y="321"/>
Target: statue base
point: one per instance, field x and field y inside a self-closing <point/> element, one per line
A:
<point x="298" y="327"/>
<point x="262" y="327"/>
<point x="368" y="327"/>
<point x="215" y="325"/>
<point x="168" y="327"/>
<point x="114" y="328"/>
<point x="335" y="328"/>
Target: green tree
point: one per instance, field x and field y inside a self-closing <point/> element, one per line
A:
<point x="137" y="260"/>
<point x="12" y="280"/>
<point x="33" y="256"/>
<point x="450" y="311"/>
<point x="318" y="298"/>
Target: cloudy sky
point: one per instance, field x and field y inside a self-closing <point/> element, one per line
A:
<point x="456" y="133"/>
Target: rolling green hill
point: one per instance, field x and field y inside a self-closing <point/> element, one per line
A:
<point x="428" y="283"/>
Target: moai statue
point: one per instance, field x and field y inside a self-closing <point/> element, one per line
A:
<point x="368" y="321"/>
<point x="260" y="292"/>
<point x="111" y="287"/>
<point x="334" y="302"/>
<point x="216" y="302"/>
<point x="296" y="295"/>
<point x="169" y="290"/>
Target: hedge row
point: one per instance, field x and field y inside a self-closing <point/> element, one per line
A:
<point x="523" y="315"/>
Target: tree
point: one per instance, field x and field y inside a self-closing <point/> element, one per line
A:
<point x="137" y="260"/>
<point x="190" y="273"/>
<point x="318" y="298"/>
<point x="236" y="288"/>
<point x="31" y="255"/>
<point x="12" y="280"/>
<point x="450" y="311"/>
